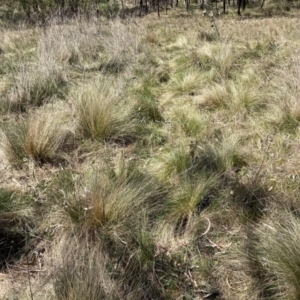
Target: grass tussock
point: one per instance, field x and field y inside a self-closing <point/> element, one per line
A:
<point x="42" y="137"/>
<point x="147" y="105"/>
<point x="35" y="86"/>
<point x="285" y="110"/>
<point x="242" y="96"/>
<point x="111" y="213"/>
<point x="108" y="198"/>
<point x="277" y="252"/>
<point x="171" y="163"/>
<point x="75" y="277"/>
<point x="16" y="212"/>
<point x="195" y="158"/>
<point x="186" y="83"/>
<point x="121" y="44"/>
<point x="189" y="201"/>
<point x="191" y="121"/>
<point x="219" y="157"/>
<point x="219" y="57"/>
<point x="103" y="113"/>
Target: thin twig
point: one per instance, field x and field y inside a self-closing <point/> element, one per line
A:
<point x="263" y="160"/>
<point x="24" y="270"/>
<point x="31" y="294"/>
<point x="214" y="23"/>
<point x="208" y="228"/>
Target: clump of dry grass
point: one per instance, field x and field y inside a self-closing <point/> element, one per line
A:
<point x="186" y="82"/>
<point x="109" y="198"/>
<point x="171" y="162"/>
<point x="220" y="156"/>
<point x="111" y="211"/>
<point x="277" y="252"/>
<point x="103" y="113"/>
<point x="121" y="45"/>
<point x="284" y="112"/>
<point x="185" y="235"/>
<point x="185" y="203"/>
<point x="146" y="96"/>
<point x="35" y="85"/>
<point x="83" y="273"/>
<point x="193" y="158"/>
<point x="220" y="57"/>
<point x="192" y="122"/>
<point x="76" y="43"/>
<point x="245" y="95"/>
<point x="42" y="137"/>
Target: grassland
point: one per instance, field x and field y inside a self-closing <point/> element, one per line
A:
<point x="151" y="158"/>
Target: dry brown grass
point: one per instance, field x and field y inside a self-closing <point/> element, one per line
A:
<point x="103" y="113"/>
<point x="42" y="137"/>
<point x="184" y="180"/>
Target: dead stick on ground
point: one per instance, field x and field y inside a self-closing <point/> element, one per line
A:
<point x="28" y="274"/>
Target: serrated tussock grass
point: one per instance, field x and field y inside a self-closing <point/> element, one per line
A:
<point x="193" y="123"/>
<point x="220" y="57"/>
<point x="16" y="213"/>
<point x="195" y="157"/>
<point x="41" y="137"/>
<point x="187" y="82"/>
<point x="103" y="113"/>
<point x="221" y="156"/>
<point x="35" y="85"/>
<point x="113" y="210"/>
<point x="107" y="198"/>
<point x="276" y="249"/>
<point x="284" y="110"/>
<point x="153" y="135"/>
<point x="244" y="95"/>
<point x="186" y="202"/>
<point x="171" y="163"/>
<point x="74" y="277"/>
<point x="147" y="106"/>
